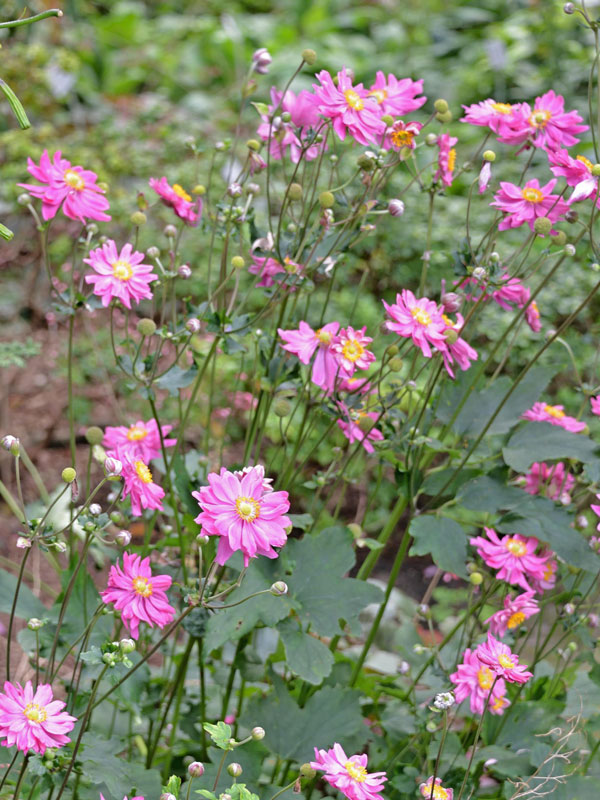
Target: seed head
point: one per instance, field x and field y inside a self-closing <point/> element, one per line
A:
<point x="295" y="191"/>
<point x="237" y="262"/>
<point x="489" y="155"/>
<point x="542" y="226"/>
<point x="146" y="326"/>
<point x="68" y="474"/>
<point x="138" y="218"/>
<point x="326" y="199"/>
<point x="309" y="56"/>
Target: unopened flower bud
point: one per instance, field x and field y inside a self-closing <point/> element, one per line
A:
<point x="167" y="796"/>
<point x="445" y="116"/>
<point x="595" y="267"/>
<point x="170" y="231"/>
<point x="261" y="61"/>
<point x="234" y="769"/>
<point x="295" y="191"/>
<point x="234" y="189"/>
<point x="127" y="645"/>
<point x="569" y="8"/>
<point x="95" y="509"/>
<point x="68" y="474"/>
<point x="431" y="139"/>
<point x="252" y="188"/>
<point x="282" y="407"/>
<point x="480" y="273"/>
<point x="286" y="116"/>
<point x="581" y="522"/>
<point x="396" y="207"/>
<point x="279" y="588"/>
<point x="444" y="700"/>
<point x="196" y="769"/>
<point x="24" y="199"/>
<point x="146" y="326"/>
<point x="476" y="578"/>
<point x="138" y="218"/>
<point x="23" y="542"/>
<point x="365" y="162"/>
<point x="571" y="216"/>
<point x="489" y="155"/>
<point x="570" y="249"/>
<point x="431" y="726"/>
<point x="237" y="262"/>
<point x="153" y="252"/>
<point x="395" y="364"/>
<point x="451" y="302"/>
<point x="110" y="659"/>
<point x="11" y="444"/>
<point x="123" y="538"/>
<point x="494" y="257"/>
<point x="34" y="624"/>
<point x="326" y="200"/>
<point x="419" y="649"/>
<point x="451" y="335"/>
<point x="184" y="271"/>
<point x="542" y="226"/>
<point x="193" y="325"/>
<point x="559" y="239"/>
<point x="309" y="56"/>
<point x="257" y="733"/>
<point x="307" y="771"/>
<point x="403" y="667"/>
<point x="202" y="539"/>
<point x="569" y="609"/>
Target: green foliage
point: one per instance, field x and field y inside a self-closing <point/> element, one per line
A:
<point x="15" y="354"/>
<point x="220" y="734"/>
<point x="441" y="538"/>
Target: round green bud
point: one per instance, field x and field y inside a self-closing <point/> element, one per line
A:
<point x="559" y="239"/>
<point x="489" y="155"/>
<point x="431" y="140"/>
<point x="237" y="262"/>
<point x="146" y="326"/>
<point x="127" y="646"/>
<point x="309" y="56"/>
<point x="34" y="624"/>
<point x="307" y="771"/>
<point x="94" y="435"/>
<point x="282" y="407"/>
<point x="102" y="185"/>
<point x="431" y="726"/>
<point x="295" y="191"/>
<point x="24" y="199"/>
<point x="326" y="199"/>
<point x="441" y="105"/>
<point x="286" y="116"/>
<point x="279" y="588"/>
<point x="476" y="578"/>
<point x="68" y="474"/>
<point x="395" y="364"/>
<point x="542" y="226"/>
<point x="234" y="769"/>
<point x="451" y="335"/>
<point x="444" y="116"/>
<point x="257" y="733"/>
<point x="596" y="170"/>
<point x="570" y="249"/>
<point x="387" y="119"/>
<point x="366" y="424"/>
<point x="494" y="257"/>
<point x="253" y="144"/>
<point x="138" y="218"/>
<point x="199" y="189"/>
<point x="393" y="350"/>
<point x="365" y="162"/>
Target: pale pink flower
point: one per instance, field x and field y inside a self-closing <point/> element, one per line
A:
<point x="179" y="200"/>
<point x="141" y="440"/>
<point x="305" y="342"/>
<point x="460" y="350"/>
<point x="121" y="276"/>
<point x="546" y="125"/>
<point x="555" y="415"/>
<point x="435" y="791"/>
<point x="258" y="470"/>
<point x="396" y="97"/>
<point x="33" y="720"/>
<point x="551" y="481"/>
<point x="269" y="268"/>
<point x="491" y="114"/>
<point x="485" y="175"/>
<point x="446" y="159"/>
<point x="349" y="774"/>
<point x="304" y="114"/>
<point x="353" y="432"/>
<point x="74" y="188"/>
<point x="139" y="484"/>
<point x="351" y="349"/>
<point x="243" y="514"/>
<point x="350" y="108"/>
<point x="474" y="680"/>
<point x="595" y="405"/>
<point x="139" y="595"/>
<point x="516" y="610"/>
<point x="577" y="172"/>
<point x="513" y="556"/>
<point x="525" y="204"/>
<point x="420" y="320"/>
<point x="499" y="658"/>
<point x="402" y="135"/>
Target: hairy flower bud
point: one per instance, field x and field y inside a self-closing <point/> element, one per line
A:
<point x="123" y="538"/>
<point x="12" y="444"/>
<point x="146" y="326"/>
<point x="279" y="588"/>
<point x="257" y="733"/>
<point x="68" y="474"/>
<point x="196" y="769"/>
<point x="193" y="325"/>
<point x="184" y="271"/>
<point x="234" y="769"/>
<point x="396" y="207"/>
<point x="309" y="56"/>
<point x="24" y="199"/>
<point x="542" y="226"/>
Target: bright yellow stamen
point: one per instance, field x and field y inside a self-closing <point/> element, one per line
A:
<point x="356" y="772"/>
<point x="379" y="95"/>
<point x="515" y="620"/>
<point x="402" y="138"/>
<point x="539" y="119"/>
<point x="181" y="192"/>
<point x="74" y="180"/>
<point x="143" y="472"/>
<point x="447" y="320"/>
<point x="451" y="160"/>
<point x="247" y="508"/>
<point x="421" y="316"/>
<point x="532" y="195"/>
<point x="585" y="161"/>
<point x="134" y="434"/>
<point x="516" y="547"/>
<point x="535" y="309"/>
<point x="323" y="336"/>
<point x="505" y="661"/>
<point x="549" y="571"/>
<point x="354" y="100"/>
<point x="502" y="108"/>
<point x="35" y="713"/>
<point x="555" y="412"/>
<point x="353" y="350"/>
<point x="499" y="702"/>
<point x="439" y="793"/>
<point x="485" y="677"/>
<point x="142" y="586"/>
<point x="122" y="270"/>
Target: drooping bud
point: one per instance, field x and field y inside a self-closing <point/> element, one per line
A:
<point x="234" y="769"/>
<point x="68" y="474"/>
<point x="184" y="271"/>
<point x="542" y="226"/>
<point x="24" y="199"/>
<point x="193" y="325"/>
<point x="196" y="769"/>
<point x="396" y="207"/>
<point x="261" y="61"/>
<point x="11" y="444"/>
<point x="146" y="326"/>
<point x="123" y="538"/>
<point x="451" y="302"/>
<point x="309" y="56"/>
<point x="258" y="733"/>
<point x="279" y="588"/>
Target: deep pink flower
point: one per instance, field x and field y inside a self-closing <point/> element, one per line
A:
<point x="515" y="612"/>
<point x="513" y="556"/>
<point x="122" y="275"/>
<point x="33" y="720"/>
<point x="353" y="432"/>
<point x="351" y="349"/>
<point x="179" y="200"/>
<point x="546" y="125"/>
<point x="512" y="290"/>
<point x="243" y="514"/>
<point x="137" y="797"/>
<point x="74" y="188"/>
<point x="499" y="658"/>
<point x="473" y="679"/>
<point x="488" y="113"/>
<point x="551" y="481"/>
<point x="420" y="320"/>
<point x="304" y="342"/>
<point x="577" y="172"/>
<point x="595" y="405"/>
<point x="396" y="97"/>
<point x="402" y="135"/>
<point x="349" y="774"/>
<point x="528" y="203"/>
<point x="268" y="268"/>
<point x="459" y="350"/>
<point x="547" y="580"/>
<point x="350" y="108"/>
<point x="139" y="484"/>
<point x="446" y="159"/>
<point x="542" y="412"/>
<point x="439" y="792"/>
<point x="533" y="317"/>
<point x="141" y="440"/>
<point x="303" y="109"/>
<point x="139" y="595"/>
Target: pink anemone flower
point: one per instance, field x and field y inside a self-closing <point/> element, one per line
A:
<point x="350" y="108"/>
<point x="350" y="427"/>
<point x="420" y="320"/>
<point x="141" y="440"/>
<point x="547" y="125"/>
<point x="349" y="774"/>
<point x="304" y="114"/>
<point x="269" y="268"/>
<point x="179" y="200"/>
<point x="555" y="415"/>
<point x="513" y="556"/>
<point x="474" y="679"/>
<point x="434" y="790"/>
<point x="499" y="658"/>
<point x="458" y="350"/>
<point x="139" y="595"/>
<point x="490" y="114"/>
<point x="553" y="481"/>
<point x="351" y="349"/>
<point x="526" y="204"/>
<point x="595" y="405"/>
<point x="119" y="275"/>
<point x="516" y="610"/>
<point x="547" y="580"/>
<point x="243" y="514"/>
<point x="305" y="342"/>
<point x="139" y="483"/>
<point x="577" y="172"/>
<point x="402" y="134"/>
<point x="396" y="97"/>
<point x="446" y="159"/>
<point x="74" y="188"/>
<point x="33" y="720"/>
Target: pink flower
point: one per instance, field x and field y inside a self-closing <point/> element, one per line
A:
<point x="439" y="792"/>
<point x="138" y="595"/>
<point x="268" y="268"/>
<point x="542" y="412"/>
<point x="499" y="658"/>
<point x="179" y="200"/>
<point x="532" y="317"/>
<point x="141" y="440"/>
<point x="349" y="774"/>
<point x="511" y="291"/>
<point x="258" y="470"/>
<point x="420" y="320"/>
<point x="138" y="483"/>
<point x="304" y="342"/>
<point x="513" y="556"/>
<point x="304" y="114"/>
<point x="137" y="797"/>
<point x="488" y="113"/>
<point x="458" y="350"/>
<point x="547" y="580"/>
<point x="577" y="172"/>
<point x="446" y="158"/>
<point x="553" y="482"/>
<point x="484" y="176"/>
<point x="351" y="349"/>
<point x="473" y="679"/>
<point x="514" y="613"/>
<point x="396" y="97"/>
<point x="527" y="203"/>
<point x="595" y="405"/>
<point x="547" y="125"/>
<point x="74" y="188"/>
<point x="243" y="514"/>
<point x="122" y="275"/>
<point x="351" y="429"/>
<point x="33" y="720"/>
<point x="350" y="108"/>
<point x="402" y="135"/>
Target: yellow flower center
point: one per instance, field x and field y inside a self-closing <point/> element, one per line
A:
<point x="122" y="270"/>
<point x="539" y="119"/>
<point x="421" y="316"/>
<point x="379" y="95"/>
<point x="181" y="192"/>
<point x="505" y="661"/>
<point x="402" y="138"/>
<point x="451" y="160"/>
<point x="515" y="620"/>
<point x="549" y="571"/>
<point x="356" y="772"/>
<point x="439" y="793"/>
<point x="502" y="108"/>
<point x="516" y="547"/>
<point x="535" y="309"/>
<point x="134" y="434"/>
<point x="555" y="412"/>
<point x="143" y="472"/>
<point x="247" y="508"/>
<point x="354" y="100"/>
<point x="499" y="702"/>
<point x="142" y="586"/>
<point x="35" y="713"/>
<point x="585" y="161"/>
<point x="353" y="350"/>
<point x="485" y="677"/>
<point x="532" y="195"/>
<point x="323" y="336"/>
<point x="74" y="180"/>
<point x="447" y="320"/>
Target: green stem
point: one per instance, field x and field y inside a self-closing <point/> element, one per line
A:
<point x="70" y="389"/>
<point x="13" y="610"/>
<point x="17" y="23"/>
<point x="371" y="560"/>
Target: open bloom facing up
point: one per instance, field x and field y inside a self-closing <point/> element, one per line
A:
<point x="179" y="200"/>
<point x="515" y="612"/>
<point x="446" y="159"/>
<point x="350" y="427"/>
<point x="525" y="204"/>
<point x="139" y="595"/>
<point x="396" y="97"/>
<point x="139" y="484"/>
<point x="305" y="342"/>
<point x="420" y="320"/>
<point x="577" y="172"/>
<point x="33" y="720"/>
<point x="490" y="114"/>
<point x="349" y="774"/>
<point x="546" y="125"/>
<point x="439" y="792"/>
<point x="555" y="415"/>
<point x="122" y="275"/>
<point x="140" y="440"/>
<point x="552" y="481"/>
<point x="499" y="658"/>
<point x="304" y="115"/>
<point x="513" y="556"/>
<point x="351" y="109"/>
<point x="474" y="679"/>
<point x="74" y="188"/>
<point x="351" y="349"/>
<point x="243" y="514"/>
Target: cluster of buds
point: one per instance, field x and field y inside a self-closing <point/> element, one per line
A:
<point x="114" y="653"/>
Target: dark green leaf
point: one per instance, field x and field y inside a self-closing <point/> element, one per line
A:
<point x="27" y="604"/>
<point x="306" y="656"/>
<point x="540" y="441"/>
<point x="441" y="538"/>
<point x="176" y="379"/>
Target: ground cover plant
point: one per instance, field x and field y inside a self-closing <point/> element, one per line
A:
<point x="208" y="593"/>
